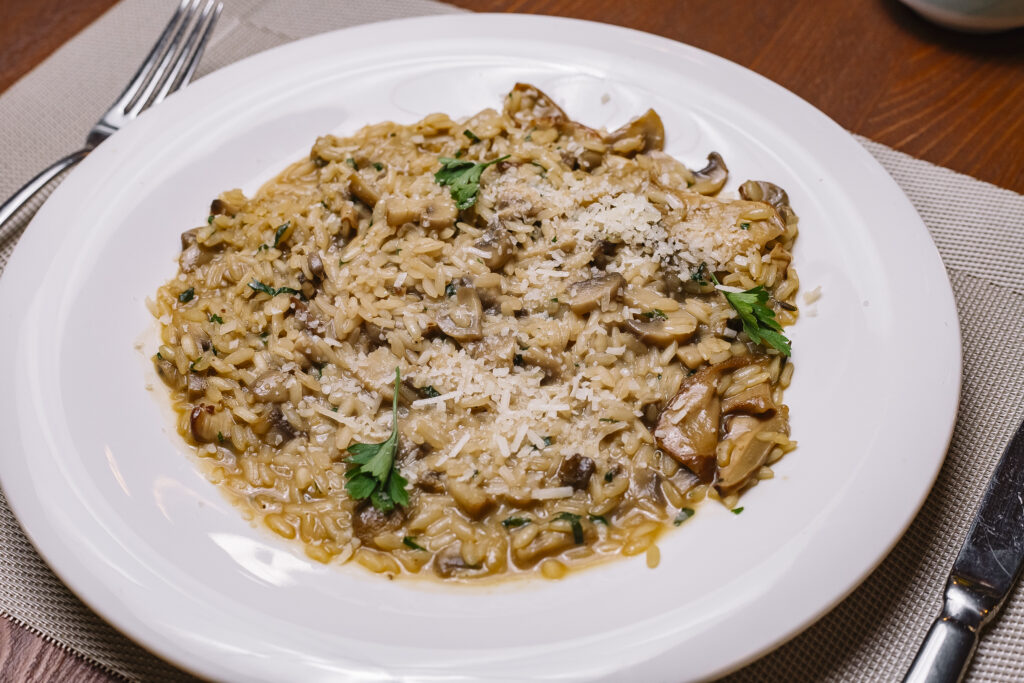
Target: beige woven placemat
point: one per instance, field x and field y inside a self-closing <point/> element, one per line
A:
<point x="873" y="634"/>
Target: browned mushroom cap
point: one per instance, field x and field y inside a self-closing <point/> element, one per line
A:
<point x="271" y="387"/>
<point x="711" y="178"/>
<point x="193" y="254"/>
<point x="527" y="104"/>
<point x="576" y="471"/>
<point x="316" y="265"/>
<point x="544" y="359"/>
<point x="498" y="245"/>
<point x="469" y="497"/>
<point x="596" y="292"/>
<point x="642" y="134"/>
<point x="220" y="207"/>
<point x="368" y="522"/>
<point x="430" y="212"/>
<point x="749" y="451"/>
<point x="664" y="328"/>
<point x="363" y="190"/>
<point x="208" y="424"/>
<point x="757" y="400"/>
<point x="687" y="428"/>
<point x="771" y="194"/>
<point x="460" y="319"/>
<point x="274" y="427"/>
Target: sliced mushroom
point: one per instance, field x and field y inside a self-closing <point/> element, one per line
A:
<point x="642" y="134"/>
<point x="195" y="386"/>
<point x="544" y="359"/>
<point x="749" y="451"/>
<point x="308" y="318"/>
<point x="363" y="190"/>
<point x="449" y="562"/>
<point x="647" y="486"/>
<point x="496" y="349"/>
<point x="597" y="292"/>
<point x="546" y="544"/>
<point x="271" y="387"/>
<point x="314" y="350"/>
<point x="275" y="428"/>
<point x="711" y="178"/>
<point x="687" y="428"/>
<point x="431" y="212"/>
<point x="193" y="254"/>
<point x="499" y="247"/>
<point x="603" y="252"/>
<point x="576" y="471"/>
<point x="661" y="329"/>
<point x="460" y="319"/>
<point x="526" y="104"/>
<point x="316" y="266"/>
<point x="209" y="424"/>
<point x="368" y="522"/>
<point x="771" y="194"/>
<point x="756" y="400"/>
<point x="431" y="481"/>
<point x="470" y="498"/>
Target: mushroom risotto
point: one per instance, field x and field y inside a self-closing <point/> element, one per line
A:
<point x="511" y="344"/>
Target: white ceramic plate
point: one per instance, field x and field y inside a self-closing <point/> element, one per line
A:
<point x="107" y="492"/>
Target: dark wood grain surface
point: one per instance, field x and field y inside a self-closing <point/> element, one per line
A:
<point x="872" y="65"/>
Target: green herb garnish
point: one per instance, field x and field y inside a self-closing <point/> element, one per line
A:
<point x="377" y="166"/>
<point x="280" y="231"/>
<point x="376" y="476"/>
<point x="515" y="522"/>
<point x="554" y="300"/>
<point x="463" y="177"/>
<point x="574" y="522"/>
<point x="607" y="419"/>
<point x="449" y="289"/>
<point x="598" y="518"/>
<point x="736" y="511"/>
<point x="744" y="226"/>
<point x="758" y="319"/>
<point x="518" y="360"/>
<point x="609" y="475"/>
<point x="220" y="437"/>
<point x="548" y="440"/>
<point x="700" y="276"/>
<point x="209" y="219"/>
<point x="683" y="515"/>
<point x="656" y="314"/>
<point x="352" y="162"/>
<point x="409" y="542"/>
<point x="430" y="392"/>
<point x="267" y="289"/>
<point x="471" y="135"/>
<point x="187" y="295"/>
<point x="214" y="318"/>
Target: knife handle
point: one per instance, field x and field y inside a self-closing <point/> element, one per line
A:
<point x="945" y="653"/>
<point x="947" y="649"/>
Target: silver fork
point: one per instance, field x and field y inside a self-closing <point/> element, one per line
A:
<point x="167" y="68"/>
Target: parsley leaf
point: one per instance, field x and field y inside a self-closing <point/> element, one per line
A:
<point x="258" y="286"/>
<point x="514" y="522"/>
<point x="429" y="391"/>
<point x="656" y="314"/>
<point x="574" y="523"/>
<point x="598" y="518"/>
<point x="376" y="476"/>
<point x="736" y="511"/>
<point x="280" y="231"/>
<point x="214" y="318"/>
<point x="187" y="295"/>
<point x="758" y="319"/>
<point x="410" y="542"/>
<point x="471" y="135"/>
<point x="684" y="514"/>
<point x="463" y="177"/>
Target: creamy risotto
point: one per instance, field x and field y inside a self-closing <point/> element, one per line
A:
<point x="509" y="344"/>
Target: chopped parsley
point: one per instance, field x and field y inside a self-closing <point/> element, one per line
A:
<point x="543" y="169"/>
<point x="449" y="289"/>
<point x="320" y="162"/>
<point x="515" y="522"/>
<point x="736" y="511"/>
<point x="214" y="318"/>
<point x="463" y="177"/>
<point x="554" y="300"/>
<point x="758" y="319"/>
<point x="376" y="476"/>
<point x="324" y="204"/>
<point x="656" y="314"/>
<point x="220" y="438"/>
<point x="684" y="514"/>
<point x="700" y="276"/>
<point x="410" y="542"/>
<point x="609" y="475"/>
<point x="209" y="219"/>
<point x="430" y="392"/>
<point x="280" y="231"/>
<point x="518" y="360"/>
<point x="352" y="162"/>
<point x="258" y="286"/>
<point x="598" y="518"/>
<point x="187" y="295"/>
<point x="262" y="247"/>
<point x="607" y="419"/>
<point x="471" y="135"/>
<point x="574" y="523"/>
<point x="744" y="226"/>
<point x="548" y="440"/>
<point x="377" y="166"/>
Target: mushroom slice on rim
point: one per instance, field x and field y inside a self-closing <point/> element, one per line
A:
<point x="749" y="449"/>
<point x="642" y="134"/>
<point x="771" y="194"/>
<point x="757" y="400"/>
<point x="430" y="212"/>
<point x="461" y="319"/>
<point x="587" y="295"/>
<point x="711" y="178"/>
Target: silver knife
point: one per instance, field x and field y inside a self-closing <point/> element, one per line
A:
<point x="983" y="574"/>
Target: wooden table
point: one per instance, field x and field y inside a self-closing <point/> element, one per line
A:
<point x="872" y="65"/>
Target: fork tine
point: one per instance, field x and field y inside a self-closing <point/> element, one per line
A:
<point x="156" y="75"/>
<point x="190" y="55"/>
<point x="142" y="75"/>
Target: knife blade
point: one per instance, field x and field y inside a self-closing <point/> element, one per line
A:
<point x="984" y="572"/>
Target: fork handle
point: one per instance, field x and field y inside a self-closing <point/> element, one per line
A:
<point x="22" y="196"/>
